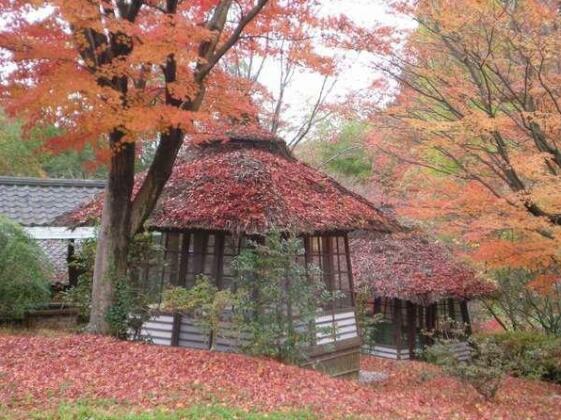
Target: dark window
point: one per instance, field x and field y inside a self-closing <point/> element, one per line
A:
<point x="231" y="250"/>
<point x="190" y="254"/>
<point x="448" y="310"/>
<point x="393" y="326"/>
<point x="146" y="275"/>
<point x="202" y="256"/>
<point x="172" y="256"/>
<point x="329" y="254"/>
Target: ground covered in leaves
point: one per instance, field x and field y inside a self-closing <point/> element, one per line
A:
<point x="39" y="373"/>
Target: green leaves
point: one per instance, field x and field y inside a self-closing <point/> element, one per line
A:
<point x="24" y="272"/>
<point x="277" y="298"/>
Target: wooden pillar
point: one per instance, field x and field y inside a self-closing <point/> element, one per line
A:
<point x="465" y="316"/>
<point x="349" y="270"/>
<point x="218" y="269"/>
<point x="184" y="260"/>
<point x="411" y="327"/>
<point x="451" y="309"/>
<point x="397" y="325"/>
<point x="430" y="320"/>
<point x="175" y="330"/>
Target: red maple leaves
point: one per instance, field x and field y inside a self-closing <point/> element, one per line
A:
<point x="40" y="372"/>
<point x="412" y="267"/>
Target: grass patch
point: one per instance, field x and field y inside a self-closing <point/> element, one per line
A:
<point x="106" y="410"/>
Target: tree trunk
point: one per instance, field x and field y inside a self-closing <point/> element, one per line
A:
<point x="114" y="235"/>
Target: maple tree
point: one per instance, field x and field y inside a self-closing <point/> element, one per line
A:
<point x="130" y="71"/>
<point x="471" y="140"/>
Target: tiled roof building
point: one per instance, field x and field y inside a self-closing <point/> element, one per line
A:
<point x="35" y="202"/>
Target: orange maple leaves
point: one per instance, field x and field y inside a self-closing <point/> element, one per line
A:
<point x="473" y="133"/>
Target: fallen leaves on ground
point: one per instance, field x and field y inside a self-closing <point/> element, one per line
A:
<point x="39" y="372"/>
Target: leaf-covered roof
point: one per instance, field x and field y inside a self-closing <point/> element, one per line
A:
<point x="409" y="266"/>
<point x="248" y="184"/>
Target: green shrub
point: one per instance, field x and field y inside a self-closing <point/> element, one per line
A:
<point x="128" y="311"/>
<point x="24" y="272"/>
<point x="484" y="371"/>
<point x="278" y="298"/>
<point x="369" y="325"/>
<point x="203" y="302"/>
<point x="531" y="354"/>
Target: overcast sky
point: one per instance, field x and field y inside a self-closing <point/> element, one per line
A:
<point x="358" y="75"/>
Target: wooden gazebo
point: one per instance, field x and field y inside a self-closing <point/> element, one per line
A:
<point x="242" y="186"/>
<point x="417" y="286"/>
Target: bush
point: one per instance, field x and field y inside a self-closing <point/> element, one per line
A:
<point x="24" y="272"/>
<point x="204" y="302"/>
<point x="484" y="371"/>
<point x="369" y="324"/>
<point x="531" y="354"/>
<point x="128" y="311"/>
<point x="278" y="298"/>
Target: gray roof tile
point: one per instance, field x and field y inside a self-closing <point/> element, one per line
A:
<point x="37" y="201"/>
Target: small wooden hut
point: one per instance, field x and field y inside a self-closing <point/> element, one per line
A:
<point x="242" y="186"/>
<point x="417" y="286"/>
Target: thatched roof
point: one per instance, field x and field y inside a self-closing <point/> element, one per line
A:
<point x="249" y="184"/>
<point x="409" y="266"/>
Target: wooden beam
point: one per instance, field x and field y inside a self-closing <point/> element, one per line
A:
<point x="176" y="326"/>
<point x="184" y="259"/>
<point x="465" y="316"/>
<point x="411" y="327"/>
<point x="451" y="308"/>
<point x="219" y="241"/>
<point x="349" y="269"/>
<point x="397" y="324"/>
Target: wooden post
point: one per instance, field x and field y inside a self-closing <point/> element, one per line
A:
<point x="411" y="327"/>
<point x="349" y="270"/>
<point x="184" y="259"/>
<point x="397" y="325"/>
<point x="465" y="316"/>
<point x="451" y="309"/>
<point x="219" y="241"/>
<point x="175" y="329"/>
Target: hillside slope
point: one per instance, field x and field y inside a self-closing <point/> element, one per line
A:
<point x="41" y="372"/>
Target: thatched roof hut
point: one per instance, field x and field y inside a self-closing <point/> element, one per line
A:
<point x="245" y="185"/>
<point x="409" y="266"/>
<point x="417" y="285"/>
